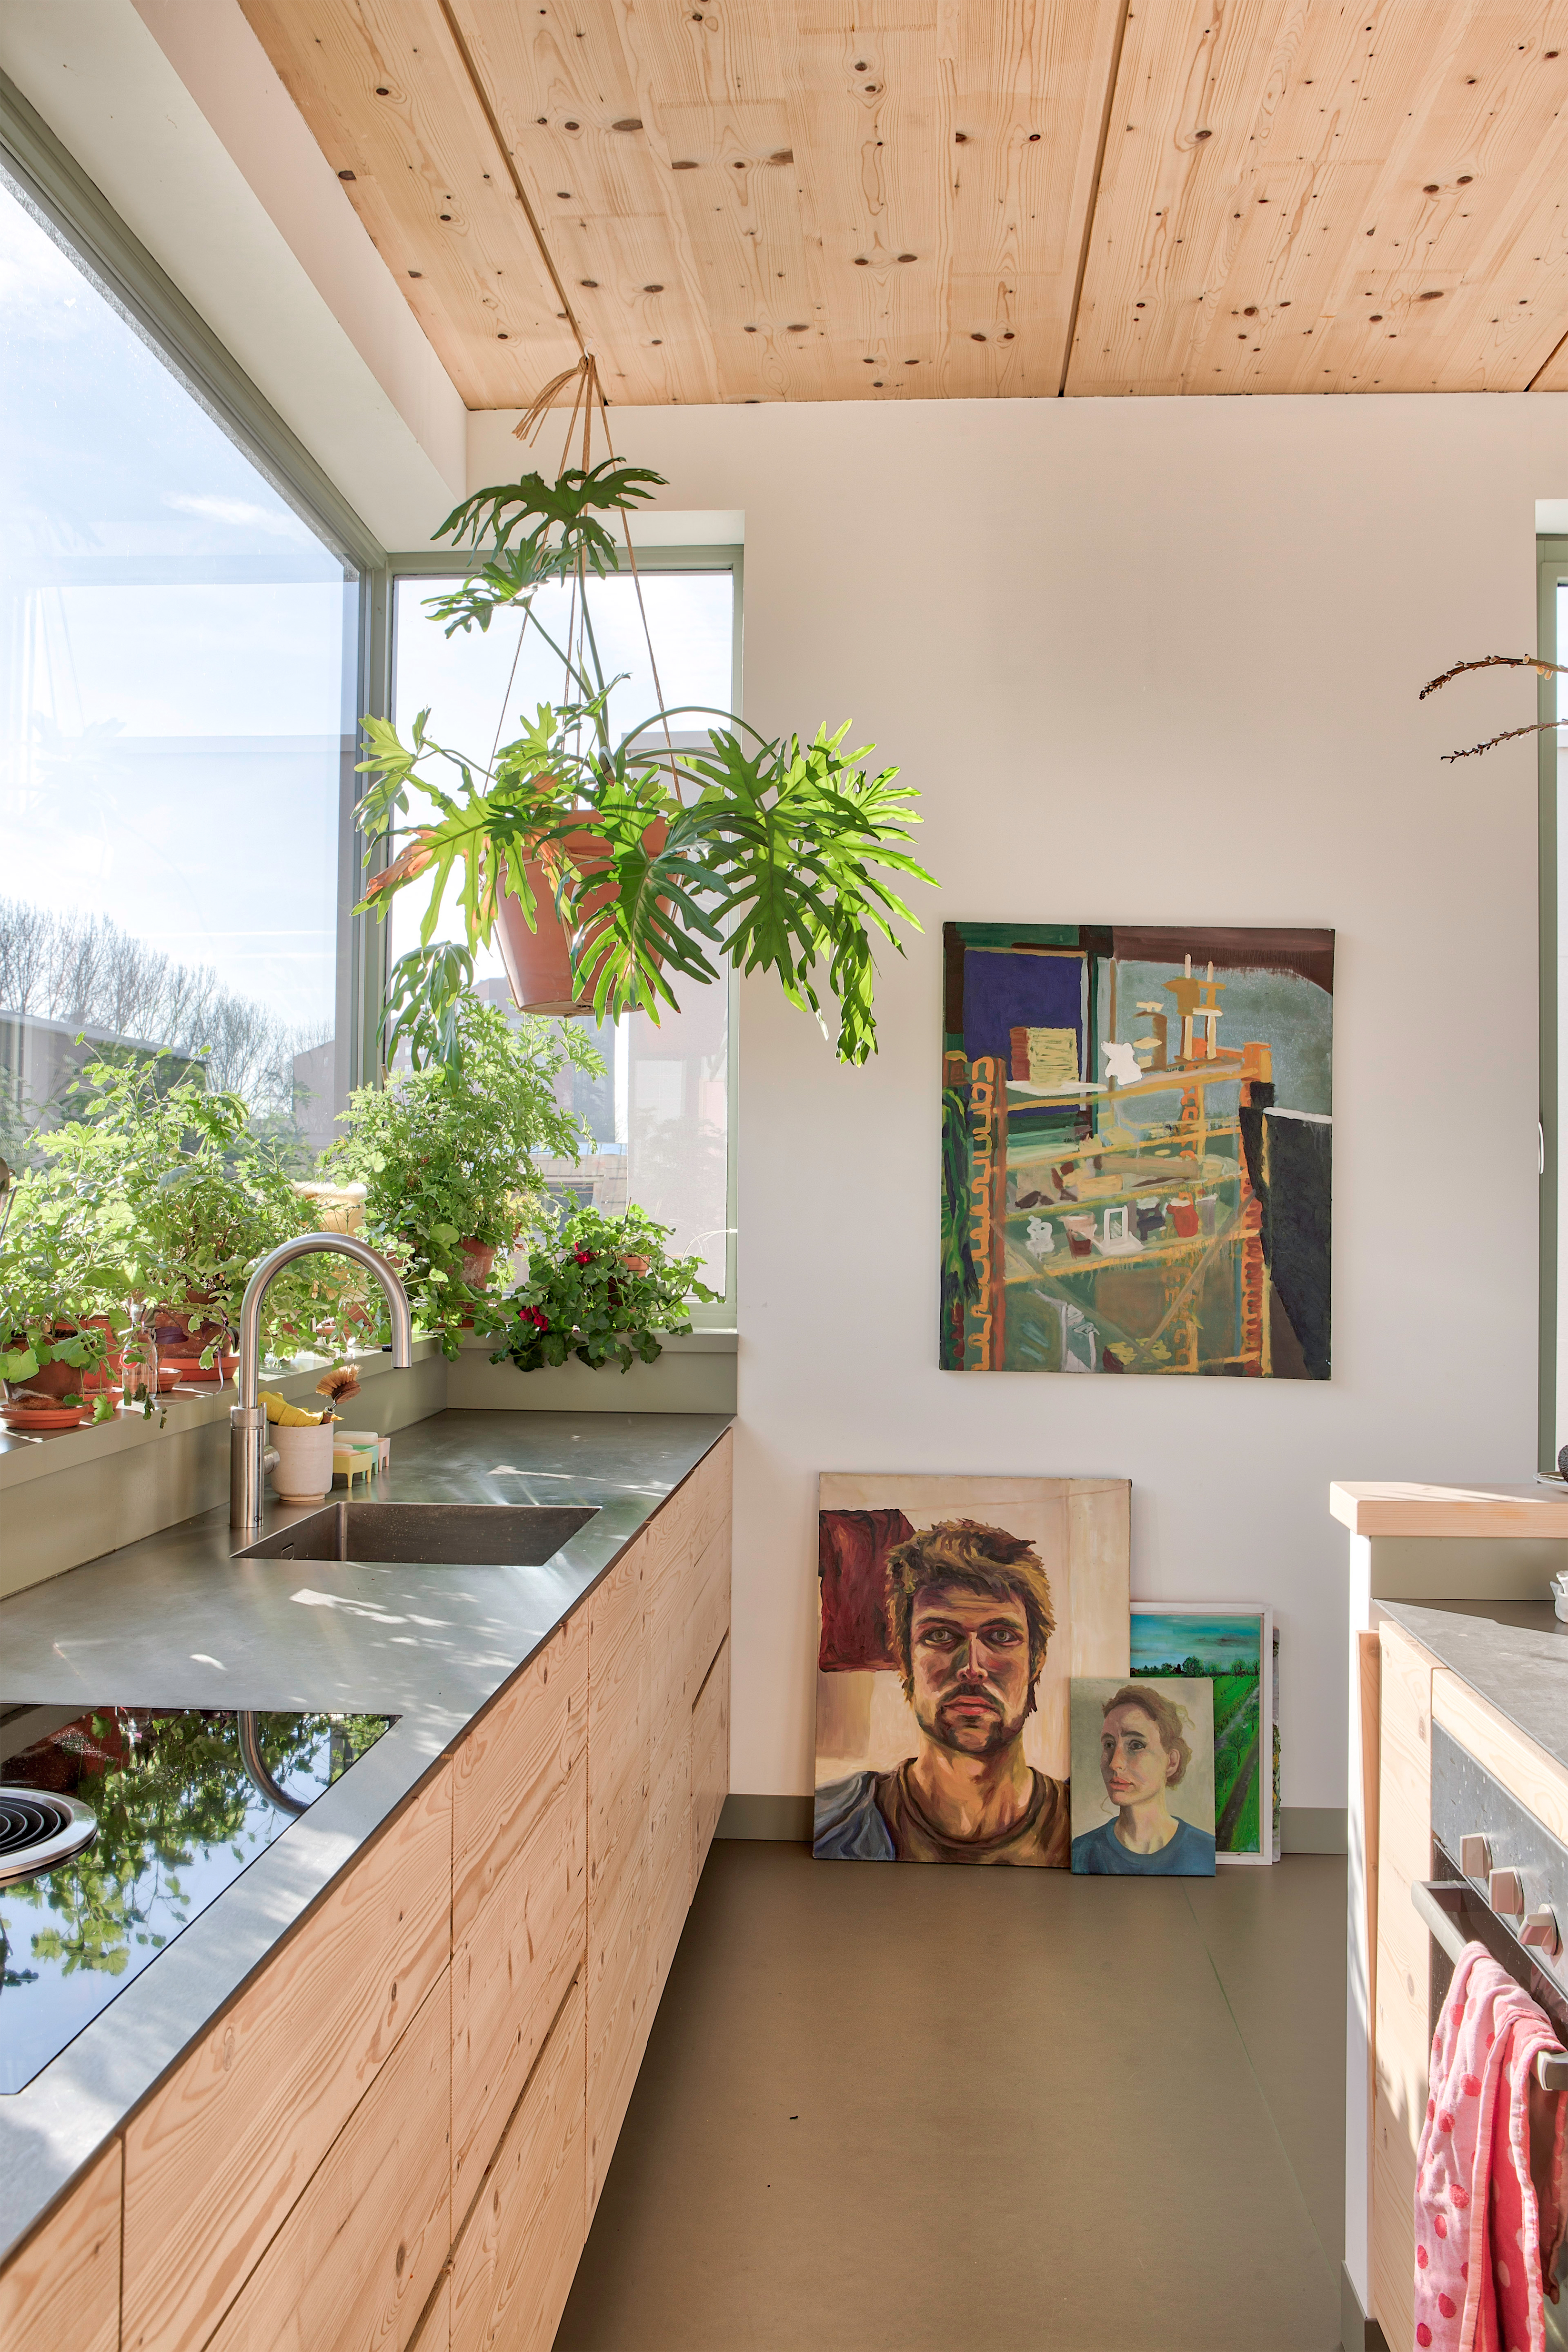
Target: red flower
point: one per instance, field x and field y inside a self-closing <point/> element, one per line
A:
<point x="536" y="1315"/>
<point x="583" y="1257"/>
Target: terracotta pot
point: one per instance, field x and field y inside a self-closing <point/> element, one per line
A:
<point x="180" y="1330"/>
<point x="477" y="1261"/>
<point x="537" y="963"/>
<point x="54" y="1379"/>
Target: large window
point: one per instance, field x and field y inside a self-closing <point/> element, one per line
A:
<point x="1553" y="610"/>
<point x="660" y="1116"/>
<point x="178" y="689"/>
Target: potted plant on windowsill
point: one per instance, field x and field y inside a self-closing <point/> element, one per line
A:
<point x="445" y="1154"/>
<point x="632" y="866"/>
<point x="604" y="1289"/>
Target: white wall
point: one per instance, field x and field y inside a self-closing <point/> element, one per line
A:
<point x="1149" y="662"/>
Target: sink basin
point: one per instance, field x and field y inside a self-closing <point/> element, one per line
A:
<point x="459" y="1535"/>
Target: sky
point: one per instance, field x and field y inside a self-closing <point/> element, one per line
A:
<point x="172" y="679"/>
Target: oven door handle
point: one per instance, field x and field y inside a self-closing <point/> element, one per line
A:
<point x="1437" y="1900"/>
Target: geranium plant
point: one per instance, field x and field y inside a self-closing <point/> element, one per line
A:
<point x="446" y="1153"/>
<point x="604" y="1289"/>
<point x="772" y="854"/>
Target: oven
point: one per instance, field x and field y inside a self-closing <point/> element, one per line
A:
<point x="1501" y="1879"/>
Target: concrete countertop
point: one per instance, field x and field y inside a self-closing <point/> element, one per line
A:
<point x="1513" y="1653"/>
<point x="176" y="1621"/>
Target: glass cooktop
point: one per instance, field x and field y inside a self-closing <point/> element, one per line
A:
<point x="184" y="1799"/>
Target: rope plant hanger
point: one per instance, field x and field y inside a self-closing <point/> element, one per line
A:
<point x="608" y="869"/>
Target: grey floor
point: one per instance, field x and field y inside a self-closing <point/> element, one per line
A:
<point x="889" y="2109"/>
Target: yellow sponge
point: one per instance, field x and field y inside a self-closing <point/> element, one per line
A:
<point x="290" y="1416"/>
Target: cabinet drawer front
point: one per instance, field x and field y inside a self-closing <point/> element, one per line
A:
<point x="509" y="1973"/>
<point x="708" y="1619"/>
<point x="513" y="1765"/>
<point x="619" y="2001"/>
<point x="214" y="2161"/>
<point x="513" y="2265"/>
<point x="710" y="1759"/>
<point x="617" y="1725"/>
<point x="61" y="2291"/>
<point x="353" y="2266"/>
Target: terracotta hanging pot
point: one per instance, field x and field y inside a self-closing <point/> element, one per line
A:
<point x="477" y="1259"/>
<point x="538" y="962"/>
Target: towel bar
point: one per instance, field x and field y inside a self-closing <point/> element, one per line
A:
<point x="1437" y="1917"/>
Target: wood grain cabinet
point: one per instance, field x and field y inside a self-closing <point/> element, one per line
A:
<point x="394" y="2136"/>
<point x="1401" y="2036"/>
<point x="63" y="2287"/>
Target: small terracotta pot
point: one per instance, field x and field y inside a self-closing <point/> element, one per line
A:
<point x="477" y="1260"/>
<point x="55" y="1379"/>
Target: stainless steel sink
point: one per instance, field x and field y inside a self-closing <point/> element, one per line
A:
<point x="457" y="1535"/>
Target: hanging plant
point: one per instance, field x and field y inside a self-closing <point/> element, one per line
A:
<point x="658" y="865"/>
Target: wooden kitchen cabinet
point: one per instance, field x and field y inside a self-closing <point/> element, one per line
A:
<point x="520" y="1891"/>
<point x="514" y="2263"/>
<point x="396" y="2132"/>
<point x="353" y="2266"/>
<point x="63" y="2288"/>
<point x="216" y="2158"/>
<point x="1402" y="2037"/>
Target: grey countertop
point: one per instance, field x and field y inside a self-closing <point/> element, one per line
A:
<point x="1514" y="1653"/>
<point x="176" y="1621"/>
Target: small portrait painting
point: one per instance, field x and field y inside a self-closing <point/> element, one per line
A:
<point x="1142" y="1778"/>
<point x="1233" y="1646"/>
<point x="953" y="1613"/>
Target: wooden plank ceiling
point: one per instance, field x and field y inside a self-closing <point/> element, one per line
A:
<point x="958" y="199"/>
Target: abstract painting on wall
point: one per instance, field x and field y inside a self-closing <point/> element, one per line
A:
<point x="953" y="1616"/>
<point x="1135" y="1151"/>
<point x="1142" y="1778"/>
<point x="1236" y="1647"/>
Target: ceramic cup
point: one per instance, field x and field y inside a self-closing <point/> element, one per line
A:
<point x="303" y="1472"/>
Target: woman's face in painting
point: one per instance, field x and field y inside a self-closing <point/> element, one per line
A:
<point x="1133" y="1763"/>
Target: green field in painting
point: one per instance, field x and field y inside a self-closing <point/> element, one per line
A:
<point x="1238" y="1761"/>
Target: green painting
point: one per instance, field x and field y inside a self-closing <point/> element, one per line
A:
<point x="1233" y="1648"/>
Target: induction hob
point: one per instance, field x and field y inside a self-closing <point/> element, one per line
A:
<point x="183" y="1799"/>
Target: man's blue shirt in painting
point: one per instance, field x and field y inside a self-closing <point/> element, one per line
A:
<point x="847" y="1824"/>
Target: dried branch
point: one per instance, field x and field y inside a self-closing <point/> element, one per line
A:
<point x="1508" y="735"/>
<point x="1492" y="661"/>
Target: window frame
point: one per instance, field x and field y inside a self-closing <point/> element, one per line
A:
<point x="1550" y="569"/>
<point x="433" y="563"/>
<point x="74" y="211"/>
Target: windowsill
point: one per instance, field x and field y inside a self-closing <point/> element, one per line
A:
<point x="23" y="1458"/>
<point x="694" y="1343"/>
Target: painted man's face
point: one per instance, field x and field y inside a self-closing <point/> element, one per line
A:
<point x="968" y="1652"/>
<point x="1133" y="1763"/>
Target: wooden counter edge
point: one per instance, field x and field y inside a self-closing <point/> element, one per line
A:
<point x="1400" y="1508"/>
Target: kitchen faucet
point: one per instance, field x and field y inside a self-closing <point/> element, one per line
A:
<point x="247" y="1420"/>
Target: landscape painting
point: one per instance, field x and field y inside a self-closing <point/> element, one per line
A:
<point x="1136" y="1148"/>
<point x="1235" y="1648"/>
<point x="953" y="1614"/>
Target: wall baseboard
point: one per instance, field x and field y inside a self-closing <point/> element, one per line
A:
<point x="1303" y="1829"/>
<point x="1356" y="2332"/>
<point x="1313" y="1829"/>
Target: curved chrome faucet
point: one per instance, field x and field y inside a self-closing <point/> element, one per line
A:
<point x="247" y="1420"/>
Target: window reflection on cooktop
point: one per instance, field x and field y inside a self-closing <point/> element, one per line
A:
<point x="184" y="1799"/>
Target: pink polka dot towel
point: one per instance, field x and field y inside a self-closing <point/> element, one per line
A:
<point x="1479" y="2226"/>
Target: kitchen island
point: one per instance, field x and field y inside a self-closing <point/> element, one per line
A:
<point x="371" y="2092"/>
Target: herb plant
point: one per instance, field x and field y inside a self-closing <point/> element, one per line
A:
<point x="446" y="1152"/>
<point x="604" y="1289"/>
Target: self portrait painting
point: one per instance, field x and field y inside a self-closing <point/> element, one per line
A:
<point x="953" y="1616"/>
<point x="1142" y="1778"/>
